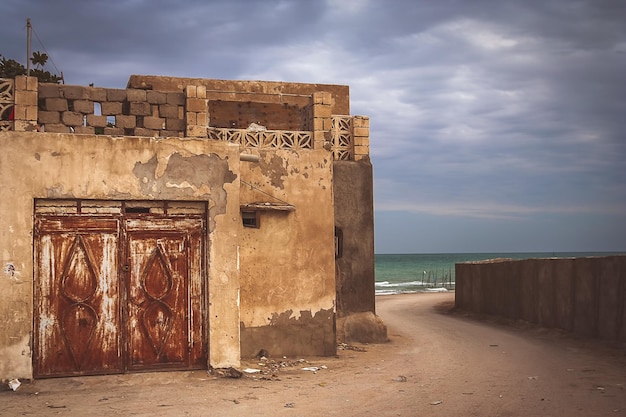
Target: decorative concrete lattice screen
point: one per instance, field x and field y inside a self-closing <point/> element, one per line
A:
<point x="274" y="139"/>
<point x="7" y="101"/>
<point x="343" y="144"/>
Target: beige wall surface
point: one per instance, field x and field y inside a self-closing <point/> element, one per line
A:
<point x="287" y="264"/>
<point x="586" y="295"/>
<point x="47" y="165"/>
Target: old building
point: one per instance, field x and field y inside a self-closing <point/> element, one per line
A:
<point x="181" y="224"/>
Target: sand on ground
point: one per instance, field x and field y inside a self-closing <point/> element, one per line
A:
<point x="437" y="363"/>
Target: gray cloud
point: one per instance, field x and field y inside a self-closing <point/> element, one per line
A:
<point x="501" y="111"/>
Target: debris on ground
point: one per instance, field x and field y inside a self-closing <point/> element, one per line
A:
<point x="14" y="384"/>
<point x="345" y="346"/>
<point x="226" y="372"/>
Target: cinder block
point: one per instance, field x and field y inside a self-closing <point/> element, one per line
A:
<point x="56" y="128"/>
<point x="196" y="132"/>
<point x="96" y="121"/>
<point x="361" y="150"/>
<point x="74" y="92"/>
<point x="49" y="117"/>
<point x="321" y="123"/>
<point x="155" y="123"/>
<point x="191" y="118"/>
<point x="134" y="95"/>
<point x="71" y="118"/>
<point x="127" y="122"/>
<point x="156" y="97"/>
<point x="318" y="97"/>
<point x="21" y="83"/>
<point x="140" y="108"/>
<point x="111" y="108"/>
<point x="98" y="94"/>
<point x="83" y="106"/>
<point x="322" y="110"/>
<point x="19" y="112"/>
<point x="361" y="141"/>
<point x="175" y="124"/>
<point x="197" y="105"/>
<point x="361" y="121"/>
<point x="361" y="131"/>
<point x="201" y="91"/>
<point x="56" y="104"/>
<point x="177" y="99"/>
<point x="32" y="112"/>
<point x="168" y="110"/>
<point x="113" y="131"/>
<point x="47" y="90"/>
<point x="32" y="84"/>
<point x="319" y="137"/>
<point x="114" y="94"/>
<point x="191" y="91"/>
<point x="85" y="130"/>
<point x="140" y="131"/>
<point x="26" y="98"/>
<point x="201" y="119"/>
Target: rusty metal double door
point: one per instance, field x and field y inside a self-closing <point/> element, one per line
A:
<point x="118" y="294"/>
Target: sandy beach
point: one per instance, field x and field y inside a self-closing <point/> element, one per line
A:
<point x="438" y="363"/>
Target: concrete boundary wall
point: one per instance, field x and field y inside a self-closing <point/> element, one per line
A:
<point x="585" y="296"/>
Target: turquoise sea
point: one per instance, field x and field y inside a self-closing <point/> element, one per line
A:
<point x="396" y="274"/>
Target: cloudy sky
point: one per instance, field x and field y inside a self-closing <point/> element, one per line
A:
<point x="496" y="126"/>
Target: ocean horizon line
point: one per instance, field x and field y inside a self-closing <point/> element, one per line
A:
<point x="504" y="252"/>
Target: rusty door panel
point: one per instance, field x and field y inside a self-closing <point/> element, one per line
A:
<point x="163" y="307"/>
<point x="116" y="294"/>
<point x="77" y="313"/>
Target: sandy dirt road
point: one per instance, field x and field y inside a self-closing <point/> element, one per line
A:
<point x="437" y="363"/>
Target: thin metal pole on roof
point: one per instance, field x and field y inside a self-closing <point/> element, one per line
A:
<point x="28" y="35"/>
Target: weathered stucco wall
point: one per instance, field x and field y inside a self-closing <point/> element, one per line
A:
<point x="354" y="220"/>
<point x="586" y="296"/>
<point x="354" y="213"/>
<point x="287" y="264"/>
<point x="47" y="165"/>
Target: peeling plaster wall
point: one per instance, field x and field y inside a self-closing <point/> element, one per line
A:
<point x="287" y="264"/>
<point x="47" y="165"/>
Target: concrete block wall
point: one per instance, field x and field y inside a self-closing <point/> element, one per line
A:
<point x="585" y="296"/>
<point x="95" y="110"/>
<point x="322" y="123"/>
<point x="361" y="137"/>
<point x="25" y="107"/>
<point x="143" y="111"/>
<point x="197" y="111"/>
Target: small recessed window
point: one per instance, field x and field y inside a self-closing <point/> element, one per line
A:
<point x="250" y="219"/>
